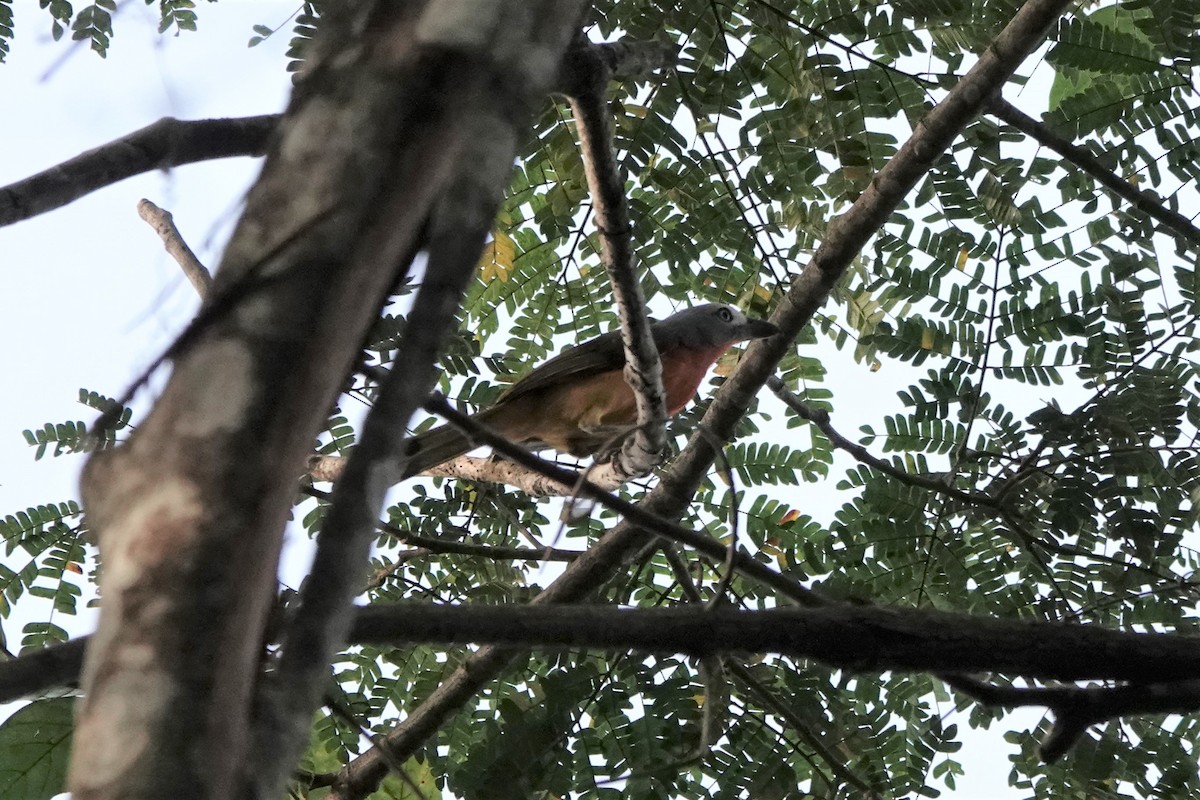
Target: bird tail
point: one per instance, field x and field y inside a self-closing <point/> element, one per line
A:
<point x="437" y="446"/>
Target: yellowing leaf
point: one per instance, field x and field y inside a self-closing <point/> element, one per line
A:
<point x="961" y="262"/>
<point x="856" y="174"/>
<point x="726" y="364"/>
<point x="791" y="516"/>
<point x="927" y="339"/>
<point x="498" y="257"/>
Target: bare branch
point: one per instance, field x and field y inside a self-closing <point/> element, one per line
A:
<point x="467" y="468"/>
<point x="164" y="225"/>
<point x="1078" y="707"/>
<point x="851" y="637"/>
<point x="161" y="145"/>
<point x="500" y="470"/>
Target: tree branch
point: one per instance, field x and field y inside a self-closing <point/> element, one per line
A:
<point x="164" y="225"/>
<point x="850" y="637"/>
<point x="161" y="145"/>
<point x="1078" y="707"/>
<point x="496" y="91"/>
<point x="861" y="639"/>
<point x="1143" y="201"/>
<point x="645" y="448"/>
<point x="364" y="151"/>
<point x="38" y="670"/>
<point x="472" y="468"/>
<point x="820" y="418"/>
<point x="171" y="142"/>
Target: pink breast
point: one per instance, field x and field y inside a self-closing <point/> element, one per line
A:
<point x="683" y="369"/>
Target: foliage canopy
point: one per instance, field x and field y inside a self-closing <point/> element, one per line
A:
<point x="1037" y="330"/>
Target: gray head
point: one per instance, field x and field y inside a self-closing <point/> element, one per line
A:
<point x="710" y="325"/>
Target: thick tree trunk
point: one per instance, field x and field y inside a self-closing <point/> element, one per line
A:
<point x="189" y="514"/>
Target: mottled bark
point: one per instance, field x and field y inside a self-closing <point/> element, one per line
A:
<point x="190" y="513"/>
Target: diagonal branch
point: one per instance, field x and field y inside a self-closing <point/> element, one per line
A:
<point x="1143" y="201"/>
<point x="164" y="144"/>
<point x="164" y="225"/>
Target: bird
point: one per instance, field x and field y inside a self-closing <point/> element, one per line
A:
<point x="579" y="403"/>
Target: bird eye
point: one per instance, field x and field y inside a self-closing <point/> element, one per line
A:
<point x="724" y="314"/>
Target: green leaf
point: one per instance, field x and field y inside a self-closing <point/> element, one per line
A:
<point x="35" y="744"/>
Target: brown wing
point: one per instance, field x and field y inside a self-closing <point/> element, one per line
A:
<point x="594" y="356"/>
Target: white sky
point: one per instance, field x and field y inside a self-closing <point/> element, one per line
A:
<point x="88" y="296"/>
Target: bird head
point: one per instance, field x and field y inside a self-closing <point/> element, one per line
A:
<point x="709" y="326"/>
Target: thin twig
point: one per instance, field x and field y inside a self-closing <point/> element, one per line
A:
<point x="820" y="418"/>
<point x="164" y="225"/>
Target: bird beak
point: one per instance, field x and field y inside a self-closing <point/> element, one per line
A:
<point x="758" y="329"/>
